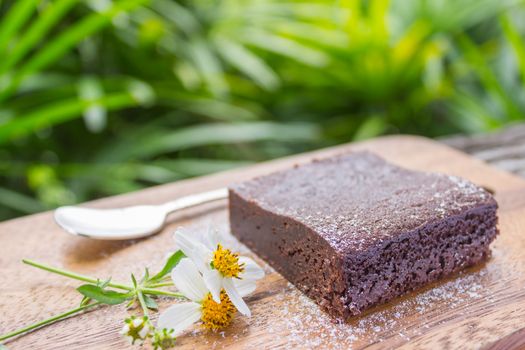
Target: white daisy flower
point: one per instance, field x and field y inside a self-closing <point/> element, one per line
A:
<point x="220" y="267"/>
<point x="202" y="306"/>
<point x="136" y="329"/>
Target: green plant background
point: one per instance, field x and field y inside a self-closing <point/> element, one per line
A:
<point x="104" y="97"/>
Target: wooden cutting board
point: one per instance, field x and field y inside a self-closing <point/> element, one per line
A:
<point x="483" y="307"/>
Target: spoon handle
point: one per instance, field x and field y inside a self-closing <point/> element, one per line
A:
<point x="195" y="199"/>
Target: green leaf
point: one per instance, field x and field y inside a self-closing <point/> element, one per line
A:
<point x="216" y="109"/>
<point x="131" y="303"/>
<point x="470" y="115"/>
<point x="108" y="297"/>
<point x="513" y="36"/>
<point x="489" y="79"/>
<point x="84" y="301"/>
<point x="166" y="141"/>
<point x="208" y="65"/>
<point x="196" y="167"/>
<point x="285" y="47"/>
<point x="172" y="261"/>
<point x="95" y="116"/>
<point x="150" y="303"/>
<point x="371" y="127"/>
<point x="59" y="112"/>
<point x="134" y="280"/>
<point x="52" y="13"/>
<point x="68" y="39"/>
<point x="103" y="284"/>
<point x="18" y="201"/>
<point x="181" y="16"/>
<point x="248" y="63"/>
<point x="18" y="14"/>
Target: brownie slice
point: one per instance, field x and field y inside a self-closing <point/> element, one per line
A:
<point x="354" y="231"/>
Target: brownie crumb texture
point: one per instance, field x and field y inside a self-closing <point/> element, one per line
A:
<point x="354" y="231"/>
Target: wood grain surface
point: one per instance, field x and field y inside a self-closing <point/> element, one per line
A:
<point x="504" y="148"/>
<point x="483" y="307"/>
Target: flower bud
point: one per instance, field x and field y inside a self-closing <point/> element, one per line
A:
<point x="136" y="329"/>
<point x="163" y="339"/>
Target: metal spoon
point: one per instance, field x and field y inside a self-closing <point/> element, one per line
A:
<point x="130" y="222"/>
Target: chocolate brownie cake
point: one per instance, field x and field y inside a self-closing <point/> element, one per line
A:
<point x="354" y="231"/>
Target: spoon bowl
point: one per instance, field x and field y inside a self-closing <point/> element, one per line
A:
<point x="109" y="224"/>
<point x="129" y="222"/>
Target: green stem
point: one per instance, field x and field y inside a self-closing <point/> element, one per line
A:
<point x="162" y="292"/>
<point x="89" y="279"/>
<point x="158" y="285"/>
<point x="48" y="321"/>
<point x="73" y="274"/>
<point x="142" y="302"/>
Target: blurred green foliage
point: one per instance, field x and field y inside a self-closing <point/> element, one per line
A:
<point x="103" y="97"/>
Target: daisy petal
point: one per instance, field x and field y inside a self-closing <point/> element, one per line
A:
<point x="188" y="280"/>
<point x="212" y="239"/>
<point x="179" y="317"/>
<point x="202" y="257"/>
<point x="235" y="297"/>
<point x="185" y="242"/>
<point x="251" y="271"/>
<point x="244" y="286"/>
<point x="213" y="280"/>
<point x="192" y="248"/>
<point x="144" y="331"/>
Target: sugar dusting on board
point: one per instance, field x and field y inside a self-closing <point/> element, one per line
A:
<point x="299" y="323"/>
<point x="307" y="326"/>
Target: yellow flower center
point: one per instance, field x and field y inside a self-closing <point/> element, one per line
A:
<point x="226" y="262"/>
<point x="216" y="316"/>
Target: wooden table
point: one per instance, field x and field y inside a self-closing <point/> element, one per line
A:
<point x="483" y="307"/>
<point x="504" y="149"/>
